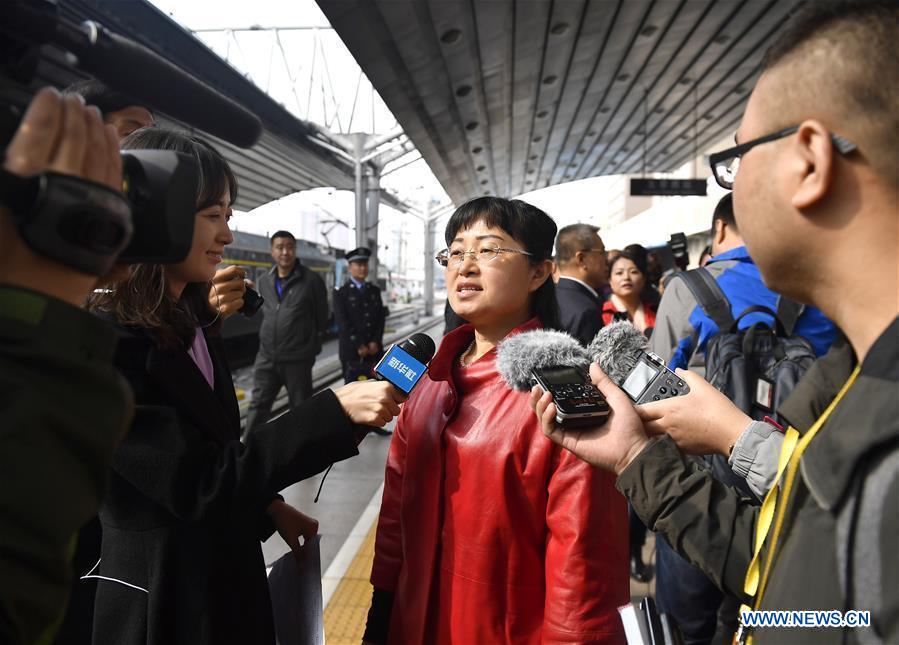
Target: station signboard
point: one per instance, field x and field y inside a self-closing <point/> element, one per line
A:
<point x="682" y="187"/>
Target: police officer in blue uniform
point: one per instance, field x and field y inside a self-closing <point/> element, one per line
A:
<point x="360" y="316"/>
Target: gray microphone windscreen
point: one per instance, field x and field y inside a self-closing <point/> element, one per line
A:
<point x="519" y="355"/>
<point x="615" y="348"/>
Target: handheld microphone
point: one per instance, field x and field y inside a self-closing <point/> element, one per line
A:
<point x="406" y="362"/>
<point x="558" y="364"/>
<point x="622" y="352"/>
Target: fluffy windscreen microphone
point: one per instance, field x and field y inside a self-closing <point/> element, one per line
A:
<point x="518" y="356"/>
<point x="622" y="353"/>
<point x="617" y="348"/>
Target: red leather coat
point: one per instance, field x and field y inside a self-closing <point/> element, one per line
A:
<point x="488" y="532"/>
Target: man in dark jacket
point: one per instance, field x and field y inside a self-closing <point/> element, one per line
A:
<point x="815" y="199"/>
<point x="581" y="257"/>
<point x="295" y="314"/>
<point x="360" y="318"/>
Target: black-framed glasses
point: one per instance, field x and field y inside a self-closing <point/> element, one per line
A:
<point x="455" y="257"/>
<point x="726" y="163"/>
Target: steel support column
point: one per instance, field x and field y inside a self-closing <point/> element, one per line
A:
<point x="373" y="201"/>
<point x="361" y="219"/>
<point x="428" y="286"/>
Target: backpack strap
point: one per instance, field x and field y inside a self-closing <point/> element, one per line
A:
<point x="788" y="312"/>
<point x="709" y="296"/>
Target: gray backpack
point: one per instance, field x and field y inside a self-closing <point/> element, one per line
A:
<point x="757" y="367"/>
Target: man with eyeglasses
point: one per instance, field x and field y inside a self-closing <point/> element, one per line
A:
<point x="683" y="330"/>
<point x="816" y="200"/>
<point x="581" y="258"/>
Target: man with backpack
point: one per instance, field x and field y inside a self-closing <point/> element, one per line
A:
<point x="718" y="321"/>
<point x="711" y="317"/>
<point x="683" y="329"/>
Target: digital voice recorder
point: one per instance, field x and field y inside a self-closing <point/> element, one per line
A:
<point x="578" y="403"/>
<point x="651" y="380"/>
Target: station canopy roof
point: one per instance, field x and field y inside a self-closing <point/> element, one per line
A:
<point x="284" y="161"/>
<point x="508" y="96"/>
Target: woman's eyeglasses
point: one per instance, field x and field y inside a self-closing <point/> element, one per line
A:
<point x="726" y="163"/>
<point x="455" y="257"/>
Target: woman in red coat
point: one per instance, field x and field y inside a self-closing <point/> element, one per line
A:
<point x="489" y="533"/>
<point x="627" y="278"/>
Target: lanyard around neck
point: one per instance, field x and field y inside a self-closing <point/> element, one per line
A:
<point x="778" y="497"/>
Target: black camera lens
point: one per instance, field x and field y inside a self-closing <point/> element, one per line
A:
<point x="252" y="302"/>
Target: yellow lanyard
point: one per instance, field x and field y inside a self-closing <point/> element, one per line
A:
<point x="776" y="499"/>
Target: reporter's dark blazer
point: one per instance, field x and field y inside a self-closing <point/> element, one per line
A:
<point x="581" y="312"/>
<point x="185" y="511"/>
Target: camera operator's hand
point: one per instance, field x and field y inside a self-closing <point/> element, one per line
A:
<point x="611" y="446"/>
<point x="370" y="403"/>
<point x="702" y="422"/>
<point x="227" y="291"/>
<point x="61" y="135"/>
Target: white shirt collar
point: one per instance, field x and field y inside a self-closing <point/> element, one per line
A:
<point x="580" y="282"/>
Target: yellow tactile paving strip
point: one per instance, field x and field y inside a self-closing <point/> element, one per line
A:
<point x="348" y="608"/>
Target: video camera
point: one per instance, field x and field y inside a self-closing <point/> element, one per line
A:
<point x="678" y="245"/>
<point x="85" y="225"/>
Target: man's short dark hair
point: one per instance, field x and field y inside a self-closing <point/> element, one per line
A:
<point x="96" y="93"/>
<point x="278" y="234"/>
<point x="725" y="212"/>
<point x="841" y="54"/>
<point x="574" y="238"/>
<point x="812" y="19"/>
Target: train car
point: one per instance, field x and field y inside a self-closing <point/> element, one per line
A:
<point x="253" y="252"/>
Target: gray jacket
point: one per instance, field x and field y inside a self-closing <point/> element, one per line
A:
<point x="755" y="456"/>
<point x="292" y="324"/>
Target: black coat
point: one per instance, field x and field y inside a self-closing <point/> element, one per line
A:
<point x="292" y="325"/>
<point x="581" y="312"/>
<point x="360" y="318"/>
<point x="185" y="512"/>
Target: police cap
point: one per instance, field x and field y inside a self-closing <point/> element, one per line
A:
<point x="362" y="254"/>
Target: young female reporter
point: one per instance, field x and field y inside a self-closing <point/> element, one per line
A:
<point x="487" y="533"/>
<point x="188" y="503"/>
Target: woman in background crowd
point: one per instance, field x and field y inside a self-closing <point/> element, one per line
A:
<point x="488" y="533"/>
<point x="627" y="278"/>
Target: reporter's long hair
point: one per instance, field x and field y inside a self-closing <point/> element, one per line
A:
<point x="144" y="300"/>
<point x="529" y="225"/>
